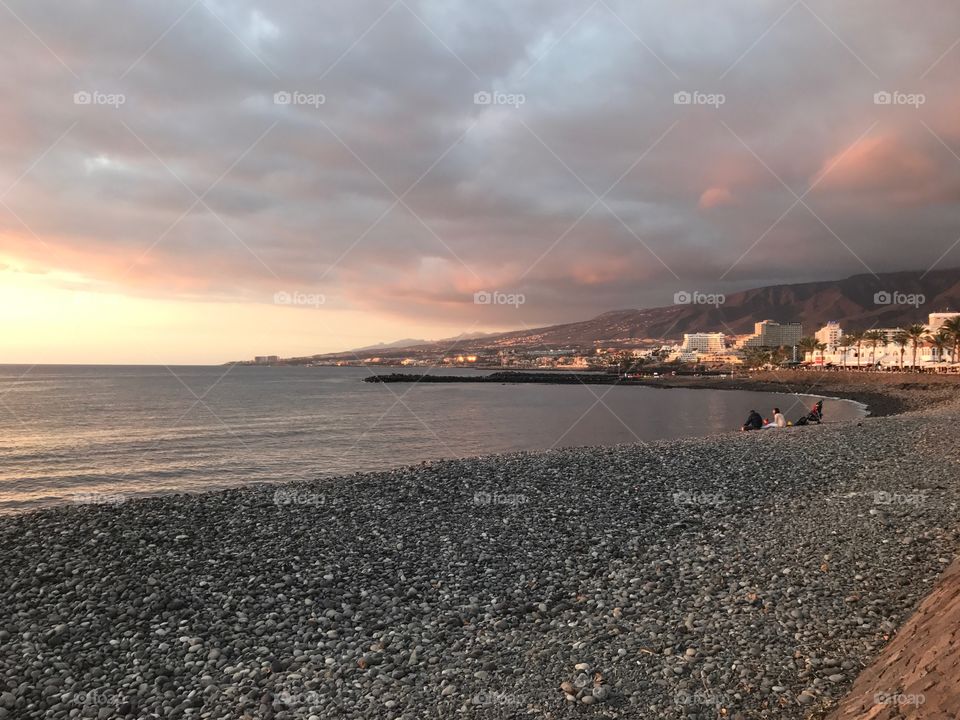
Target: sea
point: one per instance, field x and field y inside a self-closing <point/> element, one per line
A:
<point x="76" y="434"/>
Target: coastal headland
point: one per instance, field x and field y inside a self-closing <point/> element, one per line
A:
<point x="744" y="575"/>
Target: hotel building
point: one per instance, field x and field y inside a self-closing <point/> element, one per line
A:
<point x="937" y="320"/>
<point x="703" y="342"/>
<point x="830" y="335"/>
<point x="768" y="333"/>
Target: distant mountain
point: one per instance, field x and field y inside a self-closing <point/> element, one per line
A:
<point x="468" y="336"/>
<point x="407" y="342"/>
<point x="851" y="301"/>
<point x="413" y="343"/>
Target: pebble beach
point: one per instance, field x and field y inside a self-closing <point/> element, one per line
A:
<point x="748" y="575"/>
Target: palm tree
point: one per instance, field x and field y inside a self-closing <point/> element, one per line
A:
<point x="857" y="340"/>
<point x="952" y="326"/>
<point x="779" y="355"/>
<point x="845" y="343"/>
<point x="624" y="362"/>
<point x="901" y="340"/>
<point x="874" y="337"/>
<point x="916" y="334"/>
<point x="939" y="342"/>
<point x="755" y="357"/>
<point x="808" y="345"/>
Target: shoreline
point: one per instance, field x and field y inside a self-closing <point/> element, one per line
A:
<point x="753" y="572"/>
<point x="884" y="394"/>
<point x="66" y="495"/>
<point x="878" y="404"/>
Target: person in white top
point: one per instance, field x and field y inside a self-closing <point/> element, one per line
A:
<point x="779" y="420"/>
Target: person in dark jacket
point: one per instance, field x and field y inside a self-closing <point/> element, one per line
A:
<point x="754" y="421"/>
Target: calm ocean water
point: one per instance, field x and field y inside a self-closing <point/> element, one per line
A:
<point x="69" y="431"/>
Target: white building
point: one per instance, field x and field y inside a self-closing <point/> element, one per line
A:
<point x="886" y="354"/>
<point x="889" y="333"/>
<point x="830" y="335"/>
<point x="703" y="342"/>
<point x="937" y="320"/>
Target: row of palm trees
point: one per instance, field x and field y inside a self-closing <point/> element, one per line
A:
<point x="913" y="336"/>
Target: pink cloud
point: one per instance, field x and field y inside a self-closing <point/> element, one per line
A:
<point x="901" y="169"/>
<point x="716" y="197"/>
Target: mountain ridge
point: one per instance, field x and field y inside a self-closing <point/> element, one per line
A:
<point x="852" y="301"/>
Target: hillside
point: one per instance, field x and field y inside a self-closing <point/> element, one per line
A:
<point x="849" y="301"/>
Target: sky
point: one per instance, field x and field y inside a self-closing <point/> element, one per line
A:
<point x="197" y="181"/>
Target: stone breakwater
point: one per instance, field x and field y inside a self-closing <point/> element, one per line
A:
<point x="750" y="575"/>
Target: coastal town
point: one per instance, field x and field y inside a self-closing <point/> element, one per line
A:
<point x="930" y="345"/>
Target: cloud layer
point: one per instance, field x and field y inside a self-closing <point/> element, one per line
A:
<point x="399" y="157"/>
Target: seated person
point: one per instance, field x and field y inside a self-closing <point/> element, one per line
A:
<point x="779" y="421"/>
<point x="754" y="421"/>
